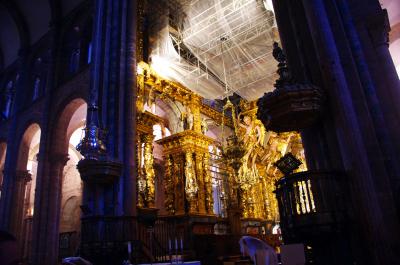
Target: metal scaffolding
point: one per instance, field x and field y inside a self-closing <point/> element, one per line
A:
<point x="221" y="45"/>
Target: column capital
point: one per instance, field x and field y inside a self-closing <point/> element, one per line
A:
<point x="23" y="176"/>
<point x="147" y="138"/>
<point x="58" y="158"/>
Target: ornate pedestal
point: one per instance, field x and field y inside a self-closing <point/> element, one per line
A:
<point x="188" y="187"/>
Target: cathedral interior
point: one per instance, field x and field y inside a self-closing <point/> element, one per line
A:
<point x="163" y="131"/>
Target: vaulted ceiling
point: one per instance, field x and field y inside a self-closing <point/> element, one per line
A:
<point x="24" y="22"/>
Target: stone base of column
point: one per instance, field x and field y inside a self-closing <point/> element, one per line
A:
<point x="104" y="240"/>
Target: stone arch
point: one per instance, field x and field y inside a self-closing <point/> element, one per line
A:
<point x="65" y="124"/>
<point x="29" y="140"/>
<point x="25" y="185"/>
<point x="69" y="212"/>
<point x="66" y="135"/>
<point x="171" y="111"/>
<point x="27" y="163"/>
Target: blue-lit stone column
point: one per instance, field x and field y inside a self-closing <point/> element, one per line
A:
<point x="339" y="46"/>
<point x="9" y="200"/>
<point x="108" y="167"/>
<point x="45" y="222"/>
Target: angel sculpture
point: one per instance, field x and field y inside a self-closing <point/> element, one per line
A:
<point x="252" y="136"/>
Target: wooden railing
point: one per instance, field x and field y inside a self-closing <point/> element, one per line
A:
<point x="310" y="200"/>
<point x="167" y="238"/>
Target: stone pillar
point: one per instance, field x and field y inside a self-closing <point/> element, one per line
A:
<point x="384" y="75"/>
<point x="45" y="221"/>
<point x="111" y="176"/>
<point x="327" y="45"/>
<point x="113" y="90"/>
<point x="47" y="211"/>
<point x="374" y="208"/>
<point x="22" y="177"/>
<point x="130" y="10"/>
<point x="7" y="202"/>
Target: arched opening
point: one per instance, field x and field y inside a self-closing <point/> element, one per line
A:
<point x="3" y="151"/>
<point x="7" y="96"/>
<point x="170" y="112"/>
<point x="77" y="47"/>
<point x="68" y="134"/>
<point x="26" y="177"/>
<point x="38" y="76"/>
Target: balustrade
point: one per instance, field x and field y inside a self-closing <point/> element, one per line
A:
<point x="169" y="236"/>
<point x="310" y="203"/>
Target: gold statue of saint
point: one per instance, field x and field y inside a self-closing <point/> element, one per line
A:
<point x="191" y="187"/>
<point x="252" y="135"/>
<point x="150" y="174"/>
<point x="169" y="187"/>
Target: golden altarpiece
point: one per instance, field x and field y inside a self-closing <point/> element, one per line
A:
<point x="202" y="176"/>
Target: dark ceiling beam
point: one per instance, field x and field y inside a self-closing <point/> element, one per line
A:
<point x="19" y="19"/>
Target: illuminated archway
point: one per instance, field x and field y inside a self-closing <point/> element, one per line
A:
<point x="26" y="175"/>
<point x="69" y="133"/>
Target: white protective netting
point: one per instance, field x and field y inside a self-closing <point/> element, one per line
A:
<point x="213" y="45"/>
